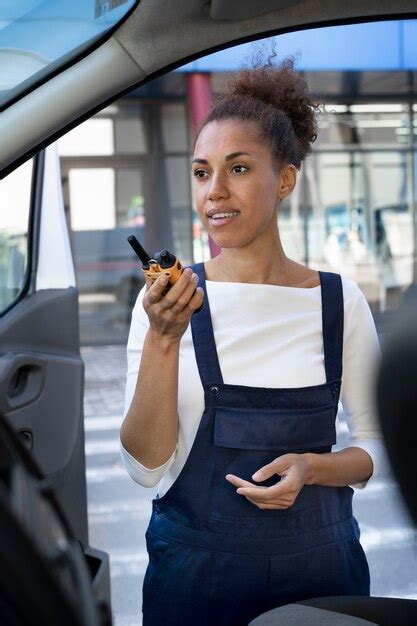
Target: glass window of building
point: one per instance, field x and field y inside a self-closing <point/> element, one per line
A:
<point x="355" y="195"/>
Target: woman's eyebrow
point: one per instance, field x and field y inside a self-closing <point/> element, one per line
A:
<point x="226" y="158"/>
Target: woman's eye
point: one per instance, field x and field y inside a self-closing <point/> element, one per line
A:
<point x="244" y="167"/>
<point x="197" y="172"/>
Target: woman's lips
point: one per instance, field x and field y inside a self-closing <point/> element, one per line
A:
<point x="222" y="221"/>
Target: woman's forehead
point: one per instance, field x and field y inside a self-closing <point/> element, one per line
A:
<point x="228" y="137"/>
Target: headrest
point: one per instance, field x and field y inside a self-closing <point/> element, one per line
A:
<point x="396" y="398"/>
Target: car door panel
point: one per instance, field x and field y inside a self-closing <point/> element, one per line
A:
<point x="41" y="369"/>
<point x="22" y="379"/>
<point x="33" y="386"/>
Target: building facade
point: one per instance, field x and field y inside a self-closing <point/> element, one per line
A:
<point x="127" y="171"/>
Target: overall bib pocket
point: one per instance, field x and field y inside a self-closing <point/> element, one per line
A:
<point x="247" y="439"/>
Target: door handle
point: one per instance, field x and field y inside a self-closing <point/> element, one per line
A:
<point x="22" y="378"/>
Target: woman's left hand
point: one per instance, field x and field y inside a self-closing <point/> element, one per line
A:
<point x="293" y="468"/>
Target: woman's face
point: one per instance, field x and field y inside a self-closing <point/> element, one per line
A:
<point x="233" y="171"/>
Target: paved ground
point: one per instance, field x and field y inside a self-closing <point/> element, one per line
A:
<point x="119" y="509"/>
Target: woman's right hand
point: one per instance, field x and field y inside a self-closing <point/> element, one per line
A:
<point x="170" y="315"/>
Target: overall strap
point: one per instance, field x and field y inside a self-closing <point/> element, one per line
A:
<point x="203" y="336"/>
<point x="332" y="323"/>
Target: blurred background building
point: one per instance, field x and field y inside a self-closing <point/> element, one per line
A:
<point x="127" y="170"/>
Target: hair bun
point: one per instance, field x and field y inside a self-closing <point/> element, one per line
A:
<point x="276" y="99"/>
<point x="284" y="89"/>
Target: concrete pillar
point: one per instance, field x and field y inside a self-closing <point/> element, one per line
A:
<point x="199" y="99"/>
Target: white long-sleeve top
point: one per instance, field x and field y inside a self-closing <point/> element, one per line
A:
<point x="267" y="336"/>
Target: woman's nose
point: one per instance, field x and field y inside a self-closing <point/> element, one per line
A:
<point x="217" y="188"/>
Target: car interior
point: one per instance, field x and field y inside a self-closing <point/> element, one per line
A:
<point x="61" y="578"/>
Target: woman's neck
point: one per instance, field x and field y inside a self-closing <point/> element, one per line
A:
<point x="284" y="273"/>
<point x="291" y="274"/>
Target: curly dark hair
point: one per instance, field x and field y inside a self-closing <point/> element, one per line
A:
<point x="277" y="99"/>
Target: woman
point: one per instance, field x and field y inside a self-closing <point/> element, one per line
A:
<point x="246" y="391"/>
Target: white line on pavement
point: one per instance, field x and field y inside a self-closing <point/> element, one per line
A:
<point x="373" y="538"/>
<point x="102" y="446"/>
<point x="102" y="474"/>
<point x="108" y="422"/>
<point x="128" y="564"/>
<point x="118" y="510"/>
<point x="121" y="505"/>
<point x="118" y="557"/>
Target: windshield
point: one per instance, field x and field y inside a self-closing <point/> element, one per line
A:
<point x="37" y="36"/>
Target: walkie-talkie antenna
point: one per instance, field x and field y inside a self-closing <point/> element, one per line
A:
<point x="141" y="252"/>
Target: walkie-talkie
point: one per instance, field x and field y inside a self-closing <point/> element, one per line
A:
<point x="163" y="262"/>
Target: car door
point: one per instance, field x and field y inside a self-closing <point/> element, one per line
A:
<point x="41" y="370"/>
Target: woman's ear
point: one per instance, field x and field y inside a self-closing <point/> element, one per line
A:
<point x="287" y="180"/>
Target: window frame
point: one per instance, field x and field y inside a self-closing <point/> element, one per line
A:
<point x="61" y="64"/>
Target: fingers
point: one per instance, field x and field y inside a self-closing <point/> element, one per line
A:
<point x="196" y="300"/>
<point x="239" y="482"/>
<point x="156" y="288"/>
<point x="179" y="294"/>
<point x="169" y="306"/>
<point x="271" y="505"/>
<point x="268" y="499"/>
<point x="187" y="296"/>
<point x="277" y="466"/>
<point x="258" y="494"/>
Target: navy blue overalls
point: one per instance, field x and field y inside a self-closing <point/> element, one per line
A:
<point x="214" y="557"/>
